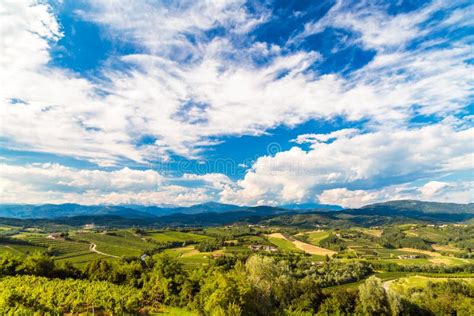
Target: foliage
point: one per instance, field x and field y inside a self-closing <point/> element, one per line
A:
<point x="28" y="294"/>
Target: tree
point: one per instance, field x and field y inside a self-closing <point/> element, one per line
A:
<point x="38" y="264"/>
<point x="373" y="298"/>
<point x="165" y="281"/>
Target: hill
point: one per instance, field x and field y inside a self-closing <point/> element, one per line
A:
<point x="421" y="206"/>
<point x="209" y="214"/>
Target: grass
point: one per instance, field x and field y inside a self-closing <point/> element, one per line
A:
<point x="446" y="248"/>
<point x="283" y="244"/>
<point x="384" y="276"/>
<point x="431" y="234"/>
<point x="401" y="285"/>
<point x="408" y="262"/>
<point x="175" y="236"/>
<point x="76" y="252"/>
<point x="312" y="249"/>
<point x="316" y="236"/>
<point x="175" y="311"/>
<point x="372" y="232"/>
<point x="118" y="243"/>
<point x="189" y="256"/>
<point x="19" y="250"/>
<point x="82" y="259"/>
<point x="236" y="249"/>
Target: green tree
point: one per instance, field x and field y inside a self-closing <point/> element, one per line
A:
<point x="373" y="298"/>
<point x="38" y="264"/>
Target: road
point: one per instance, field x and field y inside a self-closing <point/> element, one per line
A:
<point x="93" y="248"/>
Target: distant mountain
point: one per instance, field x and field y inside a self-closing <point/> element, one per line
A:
<point x="421" y="206"/>
<point x="427" y="211"/>
<point x="49" y="211"/>
<point x="207" y="207"/>
<point x="312" y="206"/>
<point x="247" y="215"/>
<point x="216" y="213"/>
<point x="194" y="209"/>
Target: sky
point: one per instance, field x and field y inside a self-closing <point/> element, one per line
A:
<point x="243" y="102"/>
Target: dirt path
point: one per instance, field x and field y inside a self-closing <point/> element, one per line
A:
<point x="386" y="285"/>
<point x="93" y="249"/>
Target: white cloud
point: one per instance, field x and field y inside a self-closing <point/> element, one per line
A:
<point x="354" y="198"/>
<point x="376" y="28"/>
<point x="378" y="159"/>
<point x="436" y="191"/>
<point x="322" y="138"/>
<point x="430" y="189"/>
<point x="164" y="28"/>
<point x="219" y="91"/>
<point x="55" y="183"/>
<point x="187" y="88"/>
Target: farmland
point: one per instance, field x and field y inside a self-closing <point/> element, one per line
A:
<point x="402" y="257"/>
<point x="82" y="246"/>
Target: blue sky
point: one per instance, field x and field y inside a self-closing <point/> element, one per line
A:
<point x="246" y="102"/>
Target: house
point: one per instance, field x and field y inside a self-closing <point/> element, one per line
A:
<point x="57" y="236"/>
<point x="409" y="256"/>
<point x="263" y="248"/>
<point x="89" y="226"/>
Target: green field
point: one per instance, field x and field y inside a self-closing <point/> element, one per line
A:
<point x="384" y="276"/>
<point x="316" y="236"/>
<point x="116" y="243"/>
<point x="20" y="250"/>
<point x="190" y="257"/>
<point x="402" y="285"/>
<point x="176" y="236"/>
<point x="283" y="244"/>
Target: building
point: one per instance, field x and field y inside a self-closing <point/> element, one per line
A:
<point x="263" y="248"/>
<point x="89" y="226"/>
<point x="409" y="256"/>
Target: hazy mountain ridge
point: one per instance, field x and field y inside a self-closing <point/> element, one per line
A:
<point x="50" y="211"/>
<point x="422" y="206"/>
<point x="218" y="214"/>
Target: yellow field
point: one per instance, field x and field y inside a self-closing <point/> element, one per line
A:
<point x="445" y="248"/>
<point x="313" y="250"/>
<point x="372" y="232"/>
<point x="424" y="252"/>
<point x="308" y="248"/>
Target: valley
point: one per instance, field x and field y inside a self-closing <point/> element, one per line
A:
<point x="157" y="264"/>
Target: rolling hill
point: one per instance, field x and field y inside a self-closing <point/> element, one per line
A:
<point x="209" y="214"/>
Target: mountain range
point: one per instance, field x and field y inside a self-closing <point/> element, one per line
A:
<point x="212" y="213"/>
<point x="51" y="211"/>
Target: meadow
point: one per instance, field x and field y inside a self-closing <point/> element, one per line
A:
<point x="401" y="257"/>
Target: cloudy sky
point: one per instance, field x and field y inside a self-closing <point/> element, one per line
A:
<point x="246" y="102"/>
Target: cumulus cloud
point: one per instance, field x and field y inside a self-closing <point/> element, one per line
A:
<point x="55" y="183"/>
<point x="432" y="188"/>
<point x="458" y="191"/>
<point x="365" y="161"/>
<point x="197" y="78"/>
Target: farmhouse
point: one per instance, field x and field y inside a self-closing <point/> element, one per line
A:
<point x="409" y="257"/>
<point x="57" y="236"/>
<point x="89" y="226"/>
<point x="263" y="247"/>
